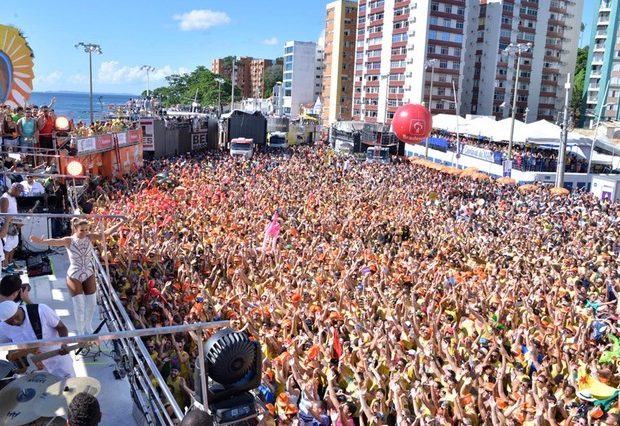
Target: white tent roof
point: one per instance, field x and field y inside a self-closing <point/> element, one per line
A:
<point x="448" y="122"/>
<point x="501" y="131"/>
<point x="545" y="132"/>
<point x="480" y="126"/>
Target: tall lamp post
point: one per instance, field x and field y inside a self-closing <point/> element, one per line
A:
<point x="219" y="82"/>
<point x="518" y="50"/>
<point x="432" y="63"/>
<point x="385" y="77"/>
<point x="149" y="69"/>
<point x="559" y="181"/>
<point x="90" y="48"/>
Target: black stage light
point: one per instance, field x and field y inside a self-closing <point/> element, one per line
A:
<point x="234" y="366"/>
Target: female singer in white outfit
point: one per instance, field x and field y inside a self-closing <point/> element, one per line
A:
<point x="81" y="273"/>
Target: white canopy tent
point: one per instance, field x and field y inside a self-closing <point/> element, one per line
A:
<point x="501" y="131"/>
<point x="449" y="123"/>
<point x="545" y="132"/>
<point x="479" y="126"/>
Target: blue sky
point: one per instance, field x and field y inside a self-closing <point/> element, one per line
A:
<point x="172" y="36"/>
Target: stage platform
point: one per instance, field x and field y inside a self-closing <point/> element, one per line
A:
<point x="114" y="398"/>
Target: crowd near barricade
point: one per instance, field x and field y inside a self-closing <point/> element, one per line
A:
<point x="525" y="158"/>
<point x="400" y="294"/>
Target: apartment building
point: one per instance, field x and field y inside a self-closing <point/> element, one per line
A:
<point x="338" y="61"/>
<point x="402" y="45"/>
<point x="602" y="83"/>
<point x="550" y="27"/>
<point x="395" y="41"/>
<point x="302" y="75"/>
<point x="249" y="74"/>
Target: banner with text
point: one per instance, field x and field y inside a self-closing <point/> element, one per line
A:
<point x="148" y="134"/>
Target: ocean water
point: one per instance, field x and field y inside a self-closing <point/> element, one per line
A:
<point x="77" y="106"/>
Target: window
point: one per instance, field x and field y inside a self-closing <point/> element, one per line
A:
<point x="447" y="8"/>
<point x="460" y="25"/>
<point x="287" y="92"/>
<point x="430" y="48"/>
<point x="445" y="36"/>
<point x="432" y="35"/>
<point x="443" y="64"/>
<point x="373" y="53"/>
<point x="398" y="64"/>
<point x="458" y="38"/>
<point x="445" y="50"/>
<point x="288" y="67"/>
<point x="434" y="20"/>
<point x="289" y="49"/>
<point x="434" y="6"/>
<point x="401" y="24"/>
<point x="447" y="22"/>
<point x="399" y="37"/>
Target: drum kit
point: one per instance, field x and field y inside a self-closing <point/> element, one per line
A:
<point x="39" y="398"/>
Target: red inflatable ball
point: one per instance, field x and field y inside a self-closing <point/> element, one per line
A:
<point x="412" y="123"/>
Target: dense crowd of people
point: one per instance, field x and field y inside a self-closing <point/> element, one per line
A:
<point x="380" y="294"/>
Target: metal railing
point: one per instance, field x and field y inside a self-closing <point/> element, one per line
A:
<point x="137" y="359"/>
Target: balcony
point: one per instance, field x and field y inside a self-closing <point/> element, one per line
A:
<point x="599" y="48"/>
<point x="601" y="34"/>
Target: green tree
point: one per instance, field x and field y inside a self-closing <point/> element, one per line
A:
<point x="273" y="74"/>
<point x="199" y="85"/>
<point x="579" y="82"/>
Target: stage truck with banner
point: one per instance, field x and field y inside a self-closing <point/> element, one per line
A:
<point x="109" y="154"/>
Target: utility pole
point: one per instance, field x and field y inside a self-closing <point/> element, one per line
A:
<point x="559" y="181"/>
<point x="232" y="84"/>
<point x="430" y="63"/>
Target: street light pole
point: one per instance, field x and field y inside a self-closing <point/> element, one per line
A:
<point x="148" y="70"/>
<point x="90" y="48"/>
<point x="219" y="94"/>
<point x="232" y="85"/>
<point x="559" y="182"/>
<point x="430" y="63"/>
<point x="517" y="49"/>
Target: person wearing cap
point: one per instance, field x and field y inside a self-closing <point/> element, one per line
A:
<point x="12" y="288"/>
<point x="8" y="204"/>
<point x="16" y="327"/>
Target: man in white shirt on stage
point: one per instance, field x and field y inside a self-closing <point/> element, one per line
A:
<point x="32" y="187"/>
<point x="18" y="325"/>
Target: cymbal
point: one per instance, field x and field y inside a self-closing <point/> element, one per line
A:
<point x="17" y="399"/>
<point x="55" y="400"/>
<point x="5" y="368"/>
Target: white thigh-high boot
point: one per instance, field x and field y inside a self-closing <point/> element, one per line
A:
<point x="91" y="304"/>
<point x="78" y="312"/>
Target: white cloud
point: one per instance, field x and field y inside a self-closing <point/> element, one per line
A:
<point x="48" y="80"/>
<point x="201" y="19"/>
<point x="271" y="41"/>
<point x="112" y="72"/>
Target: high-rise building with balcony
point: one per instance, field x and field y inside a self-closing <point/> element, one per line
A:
<point x="395" y="41"/>
<point x="302" y="75"/>
<point x="249" y="74"/>
<point x="552" y="27"/>
<point x="406" y="48"/>
<point x="602" y="82"/>
<point x="339" y="61"/>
